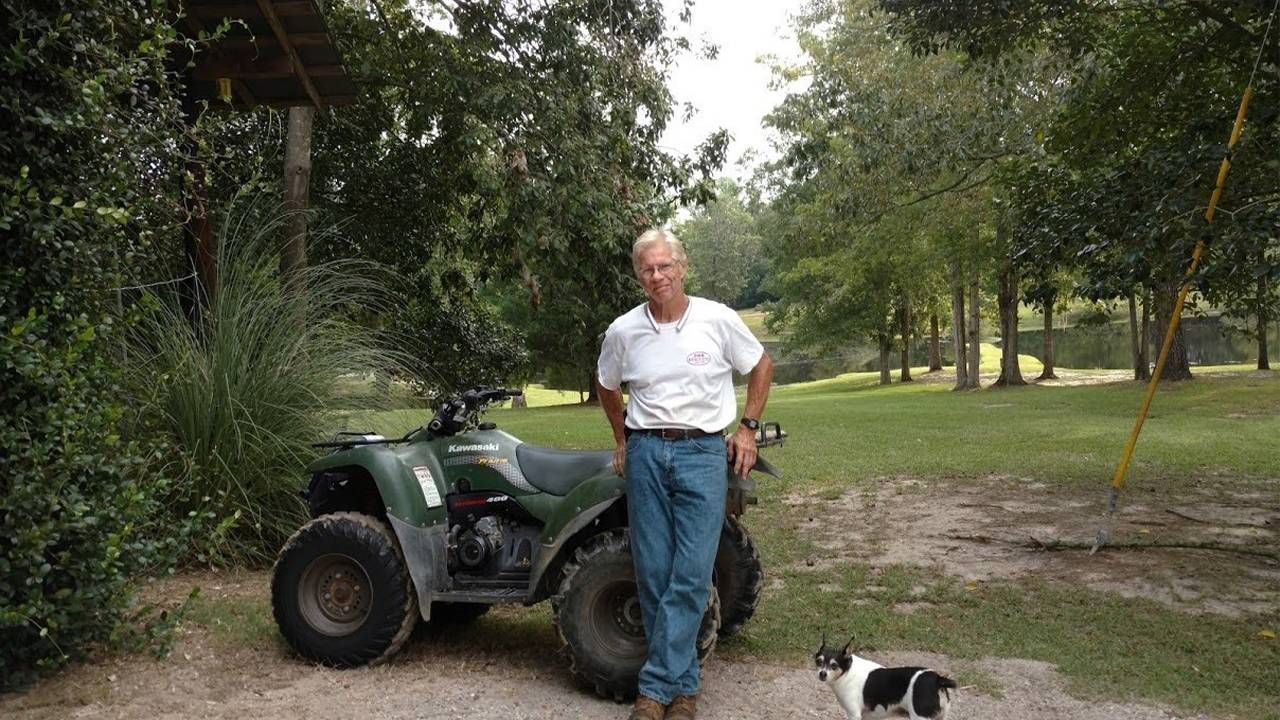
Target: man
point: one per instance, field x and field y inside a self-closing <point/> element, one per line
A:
<point x="677" y="353"/>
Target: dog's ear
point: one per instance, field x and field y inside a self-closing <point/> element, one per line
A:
<point x="848" y="645"/>
<point x="824" y="640"/>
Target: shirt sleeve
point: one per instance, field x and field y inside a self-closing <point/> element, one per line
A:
<point x="743" y="349"/>
<point x="609" y="367"/>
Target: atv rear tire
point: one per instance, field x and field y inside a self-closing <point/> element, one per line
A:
<point x="597" y="615"/>
<point x="739" y="577"/>
<point x="341" y="593"/>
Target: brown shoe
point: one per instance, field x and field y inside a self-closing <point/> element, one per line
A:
<point x="646" y="708"/>
<point x="683" y="707"/>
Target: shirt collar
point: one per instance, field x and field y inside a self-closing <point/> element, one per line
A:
<point x="648" y="314"/>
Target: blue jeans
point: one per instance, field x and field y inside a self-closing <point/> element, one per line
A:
<point x="675" y="505"/>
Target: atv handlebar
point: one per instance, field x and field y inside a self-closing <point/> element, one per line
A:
<point x="454" y="413"/>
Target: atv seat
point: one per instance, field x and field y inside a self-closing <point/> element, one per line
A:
<point x="559" y="471"/>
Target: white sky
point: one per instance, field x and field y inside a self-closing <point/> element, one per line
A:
<point x="731" y="91"/>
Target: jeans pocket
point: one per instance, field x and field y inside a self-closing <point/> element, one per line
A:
<point x="710" y="445"/>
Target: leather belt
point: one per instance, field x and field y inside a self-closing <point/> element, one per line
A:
<point x="671" y="433"/>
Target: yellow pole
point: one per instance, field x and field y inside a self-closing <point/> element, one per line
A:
<point x="1117" y="482"/>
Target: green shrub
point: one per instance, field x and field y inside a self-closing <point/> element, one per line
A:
<point x="244" y="392"/>
<point x="85" y="111"/>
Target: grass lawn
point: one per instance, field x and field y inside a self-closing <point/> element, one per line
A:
<point x="849" y="433"/>
<point x="755" y="323"/>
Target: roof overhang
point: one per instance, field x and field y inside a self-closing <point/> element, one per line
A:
<point x="276" y="53"/>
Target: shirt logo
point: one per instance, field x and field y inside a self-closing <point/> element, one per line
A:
<point x="699" y="358"/>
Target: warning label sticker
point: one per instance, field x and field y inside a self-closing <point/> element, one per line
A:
<point x="428" y="483"/>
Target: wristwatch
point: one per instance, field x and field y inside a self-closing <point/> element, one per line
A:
<point x="751" y="423"/>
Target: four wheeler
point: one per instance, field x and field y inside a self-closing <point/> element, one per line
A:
<point x="457" y="516"/>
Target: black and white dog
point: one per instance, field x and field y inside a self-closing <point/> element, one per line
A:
<point x="868" y="690"/>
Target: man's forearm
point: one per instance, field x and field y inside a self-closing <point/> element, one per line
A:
<point x="758" y="387"/>
<point x="611" y="403"/>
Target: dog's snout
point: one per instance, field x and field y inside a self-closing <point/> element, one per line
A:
<point x="822" y="674"/>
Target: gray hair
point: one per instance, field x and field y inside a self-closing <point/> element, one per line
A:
<point x="652" y="237"/>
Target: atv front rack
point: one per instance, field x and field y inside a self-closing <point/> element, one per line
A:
<point x="770" y="434"/>
<point x="357" y="439"/>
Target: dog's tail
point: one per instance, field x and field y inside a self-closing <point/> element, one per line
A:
<point x="946" y="684"/>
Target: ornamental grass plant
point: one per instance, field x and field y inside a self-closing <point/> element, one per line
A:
<point x="260" y="374"/>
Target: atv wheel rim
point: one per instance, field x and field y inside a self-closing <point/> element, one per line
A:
<point x="616" y="622"/>
<point x="334" y="595"/>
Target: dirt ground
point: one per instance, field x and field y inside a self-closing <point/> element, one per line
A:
<point x="981" y="531"/>
<point x="1007" y="527"/>
<point x="201" y="680"/>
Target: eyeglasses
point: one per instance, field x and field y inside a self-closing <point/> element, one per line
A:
<point x="665" y="269"/>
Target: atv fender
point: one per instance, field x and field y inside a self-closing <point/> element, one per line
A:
<point x="424" y="553"/>
<point x="577" y="511"/>
<point x="402" y="492"/>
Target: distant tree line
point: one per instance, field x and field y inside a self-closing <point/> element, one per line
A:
<point x="951" y="153"/>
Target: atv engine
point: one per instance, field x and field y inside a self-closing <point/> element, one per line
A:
<point x="491" y="538"/>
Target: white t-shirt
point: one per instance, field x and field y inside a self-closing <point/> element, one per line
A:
<point x="679" y="374"/>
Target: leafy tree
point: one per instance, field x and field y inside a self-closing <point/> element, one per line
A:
<point x="498" y="145"/>
<point x="725" y="251"/>
<point x="880" y="132"/>
<point x="1133" y="150"/>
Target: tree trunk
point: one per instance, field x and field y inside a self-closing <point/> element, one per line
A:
<point x="904" y="324"/>
<point x="885" y="353"/>
<point x="1264" y="363"/>
<point x="935" y="344"/>
<point x="1047" y="373"/>
<point x="1143" y="369"/>
<point x="1136" y="340"/>
<point x="1007" y="299"/>
<point x="958" y="332"/>
<point x="1176" y="367"/>
<point x="592" y="397"/>
<point x="975" y="346"/>
<point x="297" y="183"/>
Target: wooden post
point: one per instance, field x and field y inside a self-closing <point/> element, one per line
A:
<point x="200" y="250"/>
<point x="297" y="183"/>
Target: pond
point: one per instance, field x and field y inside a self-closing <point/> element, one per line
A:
<point x="1210" y="341"/>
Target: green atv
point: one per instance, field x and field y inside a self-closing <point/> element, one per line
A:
<point x="457" y="516"/>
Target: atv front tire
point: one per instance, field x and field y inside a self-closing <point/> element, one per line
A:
<point x="341" y="593"/>
<point x="739" y="577"/>
<point x="597" y="616"/>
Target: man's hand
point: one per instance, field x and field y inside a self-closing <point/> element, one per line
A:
<point x="620" y="457"/>
<point x="742" y="450"/>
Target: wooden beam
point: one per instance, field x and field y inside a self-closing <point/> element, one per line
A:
<point x="273" y="68"/>
<point x="268" y="69"/>
<point x="244" y="11"/>
<point x="270" y="43"/>
<point x="246" y="95"/>
<point x="329" y="101"/>
<point x="269" y="12"/>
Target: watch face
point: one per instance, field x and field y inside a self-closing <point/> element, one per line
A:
<point x="752" y="424"/>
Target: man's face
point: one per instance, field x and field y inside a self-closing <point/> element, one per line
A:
<point x="660" y="275"/>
